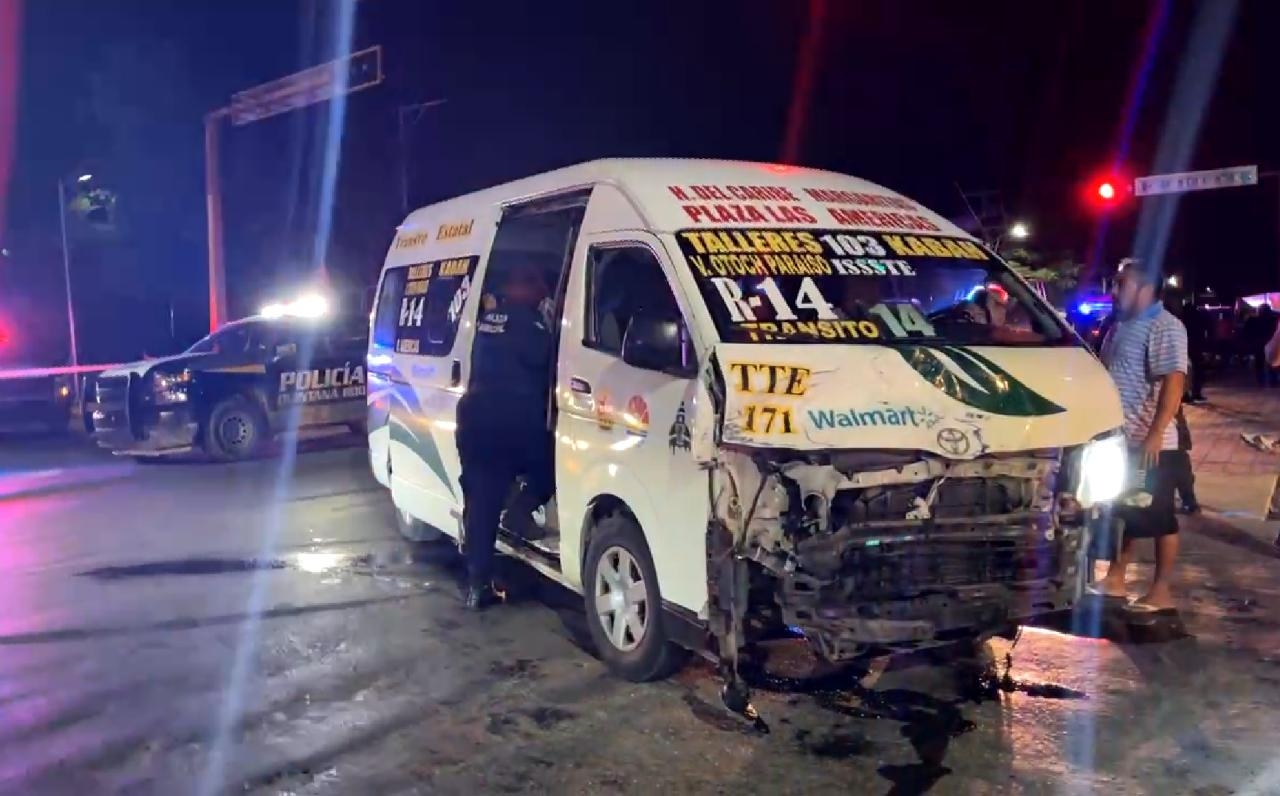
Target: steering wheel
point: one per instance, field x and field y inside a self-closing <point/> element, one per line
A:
<point x="955" y="314"/>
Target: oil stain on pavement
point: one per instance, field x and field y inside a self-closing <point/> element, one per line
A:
<point x="187" y="566"/>
<point x="928" y="723"/>
<point x="314" y="561"/>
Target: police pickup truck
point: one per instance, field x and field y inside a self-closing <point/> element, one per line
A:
<point x="234" y="390"/>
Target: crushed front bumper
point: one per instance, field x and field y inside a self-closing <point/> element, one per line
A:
<point x="928" y="590"/>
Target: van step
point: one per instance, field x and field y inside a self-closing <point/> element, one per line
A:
<point x="546" y="550"/>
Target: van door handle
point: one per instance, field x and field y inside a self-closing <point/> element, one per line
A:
<point x="580" y="386"/>
<point x="455" y="373"/>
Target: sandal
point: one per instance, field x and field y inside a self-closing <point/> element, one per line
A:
<point x="1264" y="443"/>
<point x="1148" y="610"/>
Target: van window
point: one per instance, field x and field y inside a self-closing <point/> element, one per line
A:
<point x="622" y="282"/>
<point x="450" y="286"/>
<point x="421" y="305"/>
<point x="537" y="239"/>
<point x="384" y="322"/>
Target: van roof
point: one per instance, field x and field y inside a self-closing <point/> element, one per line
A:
<point x="680" y="193"/>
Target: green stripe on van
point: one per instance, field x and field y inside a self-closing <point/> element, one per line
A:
<point x="976" y="381"/>
<point x="424" y="447"/>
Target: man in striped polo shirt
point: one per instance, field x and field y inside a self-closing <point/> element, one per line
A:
<point x="1145" y="351"/>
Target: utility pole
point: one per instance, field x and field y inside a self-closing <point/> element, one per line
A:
<point x="66" y="264"/>
<point x="345" y="75"/>
<point x="808" y="62"/>
<point x="986" y="208"/>
<point x="402" y="135"/>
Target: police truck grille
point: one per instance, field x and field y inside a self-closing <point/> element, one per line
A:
<point x="113" y="392"/>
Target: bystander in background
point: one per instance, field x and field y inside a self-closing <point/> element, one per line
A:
<point x="1257" y="331"/>
<point x="1180" y="463"/>
<point x="1197" y="327"/>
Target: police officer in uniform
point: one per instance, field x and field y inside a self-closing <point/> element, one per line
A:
<point x="502" y="425"/>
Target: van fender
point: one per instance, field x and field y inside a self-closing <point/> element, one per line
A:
<point x="667" y="545"/>
<point x="601" y="487"/>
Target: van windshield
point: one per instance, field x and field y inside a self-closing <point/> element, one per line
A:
<point x="841" y="286"/>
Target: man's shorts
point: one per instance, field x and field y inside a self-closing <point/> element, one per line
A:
<point x="1161" y="517"/>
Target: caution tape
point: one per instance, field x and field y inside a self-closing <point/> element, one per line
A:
<point x="66" y="370"/>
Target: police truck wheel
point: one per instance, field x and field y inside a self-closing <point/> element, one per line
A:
<point x="624" y="604"/>
<point x="235" y="430"/>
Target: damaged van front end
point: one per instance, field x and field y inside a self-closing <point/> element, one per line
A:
<point x="909" y="519"/>
<point x="907" y="445"/>
<point x="877" y="550"/>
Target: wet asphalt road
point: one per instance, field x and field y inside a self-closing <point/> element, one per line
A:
<point x="260" y="628"/>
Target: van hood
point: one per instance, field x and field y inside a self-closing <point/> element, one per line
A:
<point x="955" y="401"/>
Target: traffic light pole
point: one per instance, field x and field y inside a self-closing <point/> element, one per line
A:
<point x="213" y="211"/>
<point x="402" y="136"/>
<point x="345" y="75"/>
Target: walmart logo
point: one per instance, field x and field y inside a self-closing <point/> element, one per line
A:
<point x="906" y="416"/>
<point x="976" y="381"/>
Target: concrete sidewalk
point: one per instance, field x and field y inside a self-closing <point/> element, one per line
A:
<point x="1233" y="479"/>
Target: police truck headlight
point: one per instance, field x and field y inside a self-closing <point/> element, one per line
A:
<point x="1103" y="469"/>
<point x="171" y="388"/>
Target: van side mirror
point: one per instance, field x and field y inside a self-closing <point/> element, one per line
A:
<point x="658" y="344"/>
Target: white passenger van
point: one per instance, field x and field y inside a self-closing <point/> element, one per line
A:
<point x="783" y="397"/>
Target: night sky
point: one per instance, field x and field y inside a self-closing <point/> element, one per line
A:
<point x="1025" y="98"/>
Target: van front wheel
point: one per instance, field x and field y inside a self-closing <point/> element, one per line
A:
<point x="415" y="530"/>
<point x="624" y="604"/>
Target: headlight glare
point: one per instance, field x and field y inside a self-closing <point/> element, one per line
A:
<point x="1103" y="470"/>
<point x="171" y="388"/>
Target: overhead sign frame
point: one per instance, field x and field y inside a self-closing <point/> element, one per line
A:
<point x="361" y="70"/>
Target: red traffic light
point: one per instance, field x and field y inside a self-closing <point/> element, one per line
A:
<point x="1105" y="191"/>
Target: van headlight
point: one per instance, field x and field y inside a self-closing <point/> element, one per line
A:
<point x="1103" y="469"/>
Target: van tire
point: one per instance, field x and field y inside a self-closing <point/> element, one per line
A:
<point x="235" y="430"/>
<point x="415" y="530"/>
<point x="618" y="549"/>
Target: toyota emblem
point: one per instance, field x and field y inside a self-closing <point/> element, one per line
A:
<point x="953" y="441"/>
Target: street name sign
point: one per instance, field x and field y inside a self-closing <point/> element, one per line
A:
<point x="1182" y="182"/>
